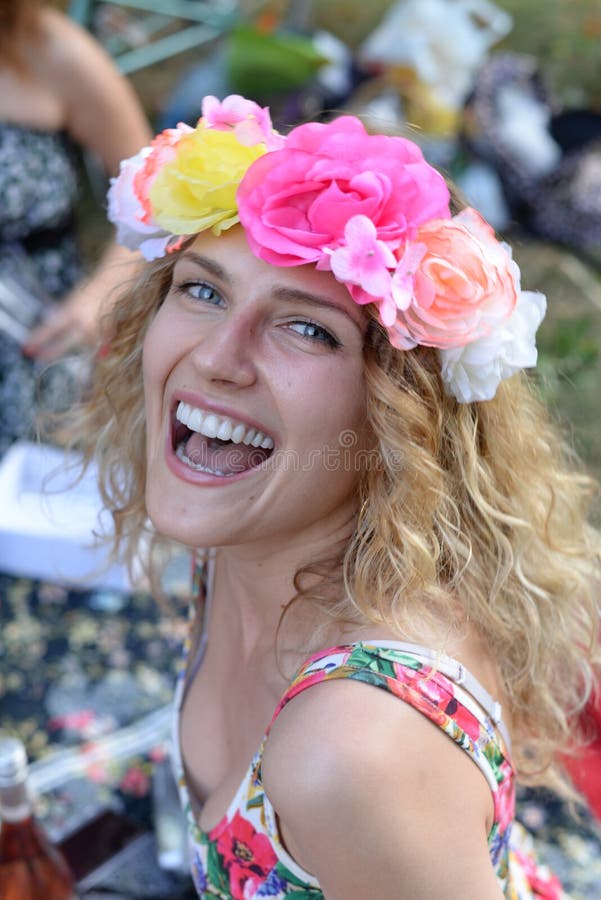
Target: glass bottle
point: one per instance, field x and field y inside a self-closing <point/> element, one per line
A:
<point x="31" y="868"/>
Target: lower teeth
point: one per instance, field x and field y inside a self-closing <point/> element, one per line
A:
<point x="198" y="467"/>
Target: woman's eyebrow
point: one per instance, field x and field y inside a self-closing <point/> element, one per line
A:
<point x="293" y="294"/>
<point x="209" y="264"/>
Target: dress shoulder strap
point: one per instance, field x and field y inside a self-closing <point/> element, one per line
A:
<point x="440" y="689"/>
<point x="437" y="686"/>
<point x="195" y="643"/>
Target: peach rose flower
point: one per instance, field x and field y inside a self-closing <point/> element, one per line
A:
<point x="465" y="285"/>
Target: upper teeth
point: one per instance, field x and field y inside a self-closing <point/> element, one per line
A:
<point x="222" y="427"/>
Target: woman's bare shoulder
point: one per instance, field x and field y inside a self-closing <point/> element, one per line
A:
<point x="59" y="30"/>
<point x="102" y="112"/>
<point x="349" y="766"/>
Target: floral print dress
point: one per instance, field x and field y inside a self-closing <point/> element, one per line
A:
<point x="243" y="856"/>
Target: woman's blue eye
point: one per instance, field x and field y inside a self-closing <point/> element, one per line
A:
<point x="200" y="290"/>
<point x="314" y="332"/>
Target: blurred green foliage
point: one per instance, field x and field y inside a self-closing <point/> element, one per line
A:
<point x="262" y="64"/>
<point x="569" y="341"/>
<point x="569" y="373"/>
<point x="565" y="36"/>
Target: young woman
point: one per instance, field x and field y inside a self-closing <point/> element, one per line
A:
<point x="59" y="92"/>
<point x="316" y="386"/>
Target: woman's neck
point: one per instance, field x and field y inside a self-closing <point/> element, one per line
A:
<point x="253" y="585"/>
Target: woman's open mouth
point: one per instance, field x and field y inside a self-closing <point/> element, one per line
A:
<point x="216" y="444"/>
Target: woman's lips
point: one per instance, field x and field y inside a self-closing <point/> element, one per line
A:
<point x="209" y="445"/>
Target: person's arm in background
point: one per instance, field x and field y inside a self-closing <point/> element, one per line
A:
<point x="103" y="115"/>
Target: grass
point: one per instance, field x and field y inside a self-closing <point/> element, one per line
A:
<point x="564" y="36"/>
<point x="569" y="340"/>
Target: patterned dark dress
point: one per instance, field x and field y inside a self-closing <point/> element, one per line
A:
<point x="38" y="187"/>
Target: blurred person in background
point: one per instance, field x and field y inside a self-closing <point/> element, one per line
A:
<point x="59" y="93"/>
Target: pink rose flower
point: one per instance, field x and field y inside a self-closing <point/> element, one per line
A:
<point x="294" y="203"/>
<point x="465" y="285"/>
<point x="250" y="122"/>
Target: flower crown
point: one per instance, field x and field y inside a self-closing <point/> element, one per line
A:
<point x="368" y="208"/>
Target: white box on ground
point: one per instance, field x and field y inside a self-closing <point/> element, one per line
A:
<point x="48" y="522"/>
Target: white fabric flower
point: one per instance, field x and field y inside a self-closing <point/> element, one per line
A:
<point x="474" y="372"/>
<point x="125" y="211"/>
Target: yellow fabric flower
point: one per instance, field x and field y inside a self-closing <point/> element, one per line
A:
<point x="197" y="189"/>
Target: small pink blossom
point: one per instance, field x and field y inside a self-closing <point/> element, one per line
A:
<point x="250" y="122"/>
<point x="363" y="260"/>
<point x="402" y="284"/>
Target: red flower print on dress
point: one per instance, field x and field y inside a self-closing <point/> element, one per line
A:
<point x="544" y="884"/>
<point x="413" y="695"/>
<point x="465" y="719"/>
<point x="437" y="689"/>
<point x="505" y="797"/>
<point x="407" y="674"/>
<point x="248" y="856"/>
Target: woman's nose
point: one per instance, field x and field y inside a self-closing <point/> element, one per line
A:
<point x="225" y="352"/>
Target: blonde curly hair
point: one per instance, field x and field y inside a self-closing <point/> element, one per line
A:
<point x="478" y="507"/>
<point x="490" y="516"/>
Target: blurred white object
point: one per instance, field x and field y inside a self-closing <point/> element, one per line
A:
<point x="170" y="825"/>
<point x="385" y="110"/>
<point x="444" y="41"/>
<point x="482" y="188"/>
<point x="523" y="123"/>
<point x="335" y="75"/>
<point x="48" y="523"/>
